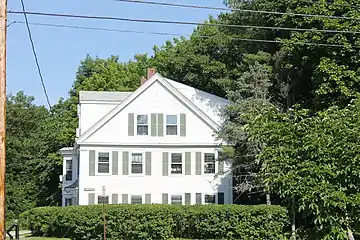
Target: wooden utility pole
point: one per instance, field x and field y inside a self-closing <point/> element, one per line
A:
<point x="3" y="21"/>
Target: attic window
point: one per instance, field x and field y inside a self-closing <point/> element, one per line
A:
<point x="171" y="125"/>
<point x="142" y="125"/>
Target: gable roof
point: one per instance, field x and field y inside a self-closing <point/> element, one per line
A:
<point x="167" y="85"/>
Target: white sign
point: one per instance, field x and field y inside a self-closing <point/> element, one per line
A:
<point x="103" y="191"/>
<point x="89" y="189"/>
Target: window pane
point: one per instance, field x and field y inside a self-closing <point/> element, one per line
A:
<point x="176" y="168"/>
<point x="137" y="158"/>
<point x="171" y="120"/>
<point x="142" y="119"/>
<point x="209" y="160"/>
<point x="136" y="168"/>
<point x="136" y="199"/>
<point x="103" y="199"/>
<point x="210" y="199"/>
<point x="103" y="157"/>
<point x="171" y="130"/>
<point x="176" y="158"/>
<point x="103" y="167"/>
<point x="68" y="201"/>
<point x="176" y="199"/>
<point x="142" y="130"/>
<point x="68" y="175"/>
<point x="68" y="165"/>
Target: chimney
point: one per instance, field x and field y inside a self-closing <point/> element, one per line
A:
<point x="150" y="72"/>
<point x="142" y="80"/>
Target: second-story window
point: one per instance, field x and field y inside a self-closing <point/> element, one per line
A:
<point x="171" y="124"/>
<point x="142" y="126"/>
<point x="176" y="163"/>
<point x="103" y="162"/>
<point x="209" y="163"/>
<point x="68" y="170"/>
<point x="137" y="163"/>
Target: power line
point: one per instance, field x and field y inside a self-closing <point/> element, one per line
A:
<point x="235" y="9"/>
<point x="178" y="34"/>
<point x="35" y="55"/>
<point x="181" y="22"/>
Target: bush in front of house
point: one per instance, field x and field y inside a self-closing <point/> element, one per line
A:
<point x="159" y="221"/>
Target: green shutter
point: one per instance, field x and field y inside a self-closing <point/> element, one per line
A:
<point x="148" y="163"/>
<point x="114" y="198"/>
<point x="221" y="167"/>
<point x="153" y="124"/>
<point x="131" y="124"/>
<point x="160" y="125"/>
<point x="198" y="198"/>
<point x="182" y="124"/>
<point x="125" y="164"/>
<point x="91" y="163"/>
<point x="187" y="163"/>
<point x="165" y="164"/>
<point x="115" y="163"/>
<point x="124" y="198"/>
<point x="187" y="198"/>
<point x="91" y="198"/>
<point x="147" y="198"/>
<point x="165" y="198"/>
<point x="198" y="163"/>
<point x="220" y="198"/>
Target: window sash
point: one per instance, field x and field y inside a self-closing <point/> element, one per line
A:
<point x="103" y="199"/>
<point x="142" y="125"/>
<point x="176" y="163"/>
<point x="209" y="199"/>
<point x="209" y="163"/>
<point x="137" y="163"/>
<point x="103" y="163"/>
<point x="136" y="199"/>
<point x="171" y="125"/>
<point x="176" y="199"/>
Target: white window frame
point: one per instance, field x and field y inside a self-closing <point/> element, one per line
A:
<point x="143" y="164"/>
<point x="177" y="194"/>
<point x="177" y="124"/>
<point x="137" y="195"/>
<point x="72" y="169"/>
<point x="148" y="124"/>
<point x="203" y="163"/>
<point x="204" y="198"/>
<point x="97" y="163"/>
<point x="182" y="163"/>
<point x="103" y="196"/>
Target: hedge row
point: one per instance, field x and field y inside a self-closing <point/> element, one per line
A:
<point x="159" y="222"/>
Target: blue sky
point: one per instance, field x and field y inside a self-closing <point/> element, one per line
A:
<point x="60" y="51"/>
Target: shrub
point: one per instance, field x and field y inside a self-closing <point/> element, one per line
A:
<point x="159" y="221"/>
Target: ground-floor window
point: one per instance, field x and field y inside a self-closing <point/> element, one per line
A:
<point x="68" y="202"/>
<point x="176" y="199"/>
<point x="136" y="199"/>
<point x="103" y="199"/>
<point x="209" y="199"/>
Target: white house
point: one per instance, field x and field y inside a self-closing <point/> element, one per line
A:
<point x="153" y="145"/>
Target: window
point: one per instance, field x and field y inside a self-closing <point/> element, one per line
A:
<point x="137" y="163"/>
<point x="103" y="162"/>
<point x="68" y="202"/>
<point x="171" y="124"/>
<point x="176" y="163"/>
<point x="209" y="161"/>
<point x="68" y="175"/>
<point x="137" y="199"/>
<point x="142" y="125"/>
<point x="103" y="199"/>
<point x="176" y="199"/>
<point x="209" y="199"/>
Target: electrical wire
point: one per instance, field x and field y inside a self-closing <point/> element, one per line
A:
<point x="235" y="9"/>
<point x="35" y="55"/>
<point x="179" y="35"/>
<point x="181" y="22"/>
